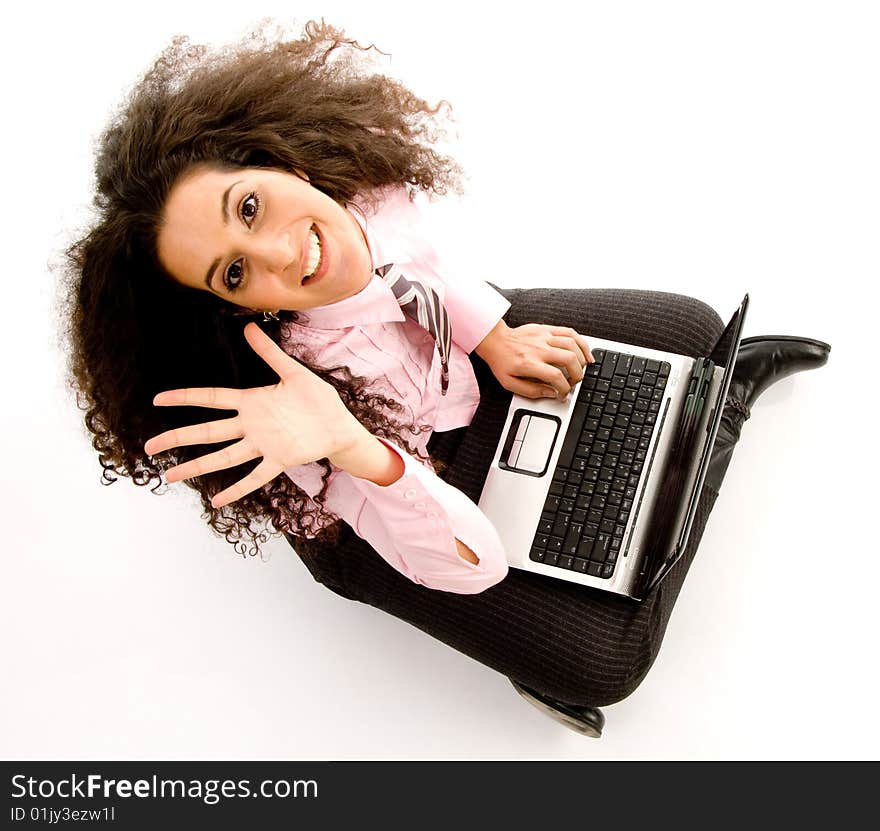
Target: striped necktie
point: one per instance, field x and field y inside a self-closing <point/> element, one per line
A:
<point x="423" y="305"/>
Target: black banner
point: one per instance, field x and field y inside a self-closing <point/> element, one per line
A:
<point x="123" y="795"/>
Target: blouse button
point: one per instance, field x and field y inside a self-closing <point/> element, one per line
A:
<point x="432" y="515"/>
<point x="410" y="494"/>
<point x="419" y="506"/>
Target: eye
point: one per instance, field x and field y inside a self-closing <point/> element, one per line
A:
<point x="232" y="279"/>
<point x="250" y="209"/>
<point x="255" y="204"/>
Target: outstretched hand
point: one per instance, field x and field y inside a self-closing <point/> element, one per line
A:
<point x="296" y="421"/>
<point x="536" y="360"/>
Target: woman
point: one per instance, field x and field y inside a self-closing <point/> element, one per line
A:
<point x="277" y="182"/>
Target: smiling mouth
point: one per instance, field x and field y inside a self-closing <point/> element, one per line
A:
<point x="316" y="256"/>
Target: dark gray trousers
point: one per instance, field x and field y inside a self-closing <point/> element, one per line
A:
<point x="571" y="642"/>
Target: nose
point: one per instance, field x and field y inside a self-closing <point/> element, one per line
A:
<point x="276" y="252"/>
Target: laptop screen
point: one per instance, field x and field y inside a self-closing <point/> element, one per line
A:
<point x="723" y="354"/>
<point x="723" y="350"/>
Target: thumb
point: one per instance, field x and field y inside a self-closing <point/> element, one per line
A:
<point x="529" y="389"/>
<point x="283" y="364"/>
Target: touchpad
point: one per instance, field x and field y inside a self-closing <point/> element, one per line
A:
<point x="529" y="443"/>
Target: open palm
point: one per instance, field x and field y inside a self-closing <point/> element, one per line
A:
<point x="296" y="421"/>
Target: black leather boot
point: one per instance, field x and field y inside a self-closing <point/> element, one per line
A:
<point x="588" y="721"/>
<point x="760" y="362"/>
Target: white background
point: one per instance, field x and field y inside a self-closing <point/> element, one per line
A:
<point x="710" y="149"/>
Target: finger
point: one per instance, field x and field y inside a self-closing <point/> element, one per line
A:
<point x="568" y="358"/>
<point x="235" y="454"/>
<point x="206" y="433"/>
<point x="570" y="345"/>
<point x="578" y="338"/>
<point x="529" y="389"/>
<point x="285" y="365"/>
<point x="218" y="398"/>
<point x="550" y="376"/>
<point x="262" y="474"/>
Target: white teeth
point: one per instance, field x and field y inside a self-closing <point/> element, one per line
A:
<point x="314" y="254"/>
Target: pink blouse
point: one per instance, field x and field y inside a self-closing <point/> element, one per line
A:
<point x="412" y="523"/>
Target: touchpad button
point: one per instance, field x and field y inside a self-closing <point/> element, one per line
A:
<point x="532" y="446"/>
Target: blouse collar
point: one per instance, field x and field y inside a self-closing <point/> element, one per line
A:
<point x="375" y="303"/>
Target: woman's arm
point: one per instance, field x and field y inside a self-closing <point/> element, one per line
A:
<point x="423" y="527"/>
<point x="374" y="461"/>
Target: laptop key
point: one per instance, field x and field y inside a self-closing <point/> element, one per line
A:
<point x="571" y="439"/>
<point x="583" y="500"/>
<point x="560" y="526"/>
<point x="600" y="547"/>
<point x="624" y="362"/>
<point x="565" y="561"/>
<point x="608" y="362"/>
<point x="595" y="569"/>
<point x="572" y="539"/>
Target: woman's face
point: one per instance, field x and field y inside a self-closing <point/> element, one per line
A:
<point x="245" y="235"/>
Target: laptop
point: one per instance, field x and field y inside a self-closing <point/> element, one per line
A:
<point x="602" y="488"/>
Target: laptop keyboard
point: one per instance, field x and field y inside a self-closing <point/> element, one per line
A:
<point x="593" y="486"/>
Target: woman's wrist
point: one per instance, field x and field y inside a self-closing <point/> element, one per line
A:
<point x="370" y="459"/>
<point x="495" y="337"/>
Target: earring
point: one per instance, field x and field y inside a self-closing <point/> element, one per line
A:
<point x="267" y="316"/>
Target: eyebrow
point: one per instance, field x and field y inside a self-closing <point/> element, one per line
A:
<point x="225" y="217"/>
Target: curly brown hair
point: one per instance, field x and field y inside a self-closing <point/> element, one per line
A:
<point x="132" y="331"/>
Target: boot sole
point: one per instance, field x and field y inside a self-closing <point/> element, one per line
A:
<point x="592" y="727"/>
<point x="758" y="338"/>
